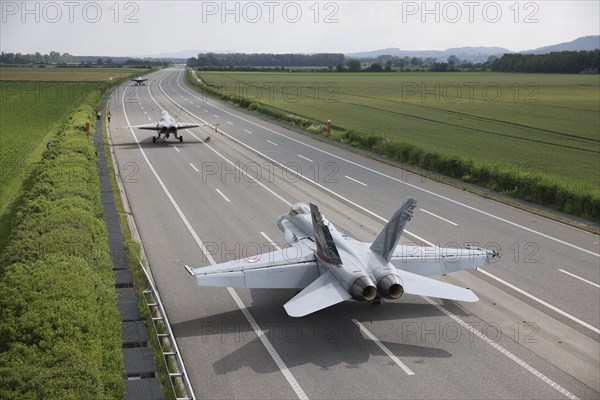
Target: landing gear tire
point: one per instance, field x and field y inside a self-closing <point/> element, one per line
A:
<point x="153" y="139"/>
<point x="180" y="139"/>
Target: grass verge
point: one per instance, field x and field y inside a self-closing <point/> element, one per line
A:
<point x="60" y="325"/>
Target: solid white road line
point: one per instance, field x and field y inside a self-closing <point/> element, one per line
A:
<point x="222" y="195"/>
<point x="273" y="143"/>
<point x="307" y="159"/>
<point x="502" y="350"/>
<point x="542" y="302"/>
<point x="265" y="341"/>
<point x="259" y="332"/>
<point x="382" y="347"/>
<point x="230" y="123"/>
<point x="246" y="130"/>
<point x="437" y="216"/>
<point x="355" y="180"/>
<point x="195" y="169"/>
<point x="580" y="278"/>
<point x="270" y="241"/>
<point x="176" y="149"/>
<point x="406" y="183"/>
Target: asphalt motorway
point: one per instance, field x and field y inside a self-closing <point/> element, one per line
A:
<point x="533" y="334"/>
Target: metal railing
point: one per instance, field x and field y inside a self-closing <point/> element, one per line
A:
<point x="180" y="383"/>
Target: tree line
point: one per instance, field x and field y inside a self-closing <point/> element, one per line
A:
<point x="558" y="62"/>
<point x="54" y="57"/>
<point x="266" y="60"/>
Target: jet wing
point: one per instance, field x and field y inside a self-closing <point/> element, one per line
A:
<point x="186" y="126"/>
<point x="294" y="267"/>
<point x="428" y="261"/>
<point x="151" y="127"/>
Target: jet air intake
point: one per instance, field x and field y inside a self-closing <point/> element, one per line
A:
<point x="363" y="288"/>
<point x="390" y="285"/>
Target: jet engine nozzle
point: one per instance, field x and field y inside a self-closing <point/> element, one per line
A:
<point x="363" y="288"/>
<point x="390" y="285"/>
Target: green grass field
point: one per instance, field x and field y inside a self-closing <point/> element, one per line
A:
<point x="526" y="122"/>
<point x="30" y="112"/>
<point x="64" y="74"/>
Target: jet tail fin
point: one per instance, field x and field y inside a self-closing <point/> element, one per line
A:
<point x="387" y="240"/>
<point x="326" y="248"/>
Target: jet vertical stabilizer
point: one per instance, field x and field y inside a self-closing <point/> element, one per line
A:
<point x="327" y="251"/>
<point x="386" y="242"/>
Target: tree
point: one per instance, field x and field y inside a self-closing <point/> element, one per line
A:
<point x="416" y="61"/>
<point x="376" y="67"/>
<point x="353" y="64"/>
<point x="99" y="61"/>
<point x="491" y="59"/>
<point x="453" y="60"/>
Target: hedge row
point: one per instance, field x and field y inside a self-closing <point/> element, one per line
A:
<point x="539" y="188"/>
<point x="60" y="327"/>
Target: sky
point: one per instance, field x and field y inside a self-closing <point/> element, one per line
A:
<point x="142" y="28"/>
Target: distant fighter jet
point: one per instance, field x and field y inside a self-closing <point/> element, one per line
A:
<point x="166" y="126"/>
<point x="139" y="81"/>
<point x="331" y="267"/>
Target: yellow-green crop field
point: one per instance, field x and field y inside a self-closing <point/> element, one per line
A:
<point x="63" y="74"/>
<point x="546" y="123"/>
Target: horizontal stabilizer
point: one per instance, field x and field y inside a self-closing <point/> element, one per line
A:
<point x="422" y="286"/>
<point x="322" y="293"/>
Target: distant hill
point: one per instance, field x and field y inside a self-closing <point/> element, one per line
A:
<point x="479" y="54"/>
<point x="583" y="43"/>
<point x="475" y="54"/>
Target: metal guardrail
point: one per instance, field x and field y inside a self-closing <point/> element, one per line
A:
<point x="168" y="346"/>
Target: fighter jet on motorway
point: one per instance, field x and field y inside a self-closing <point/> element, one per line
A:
<point x="166" y="126"/>
<point x="331" y="267"/>
<point x="139" y="81"/>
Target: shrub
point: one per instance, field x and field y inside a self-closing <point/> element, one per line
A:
<point x="60" y="328"/>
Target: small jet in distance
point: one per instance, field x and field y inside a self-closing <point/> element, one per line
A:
<point x="165" y="127"/>
<point x="139" y="81"/>
<point x="331" y="267"/>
